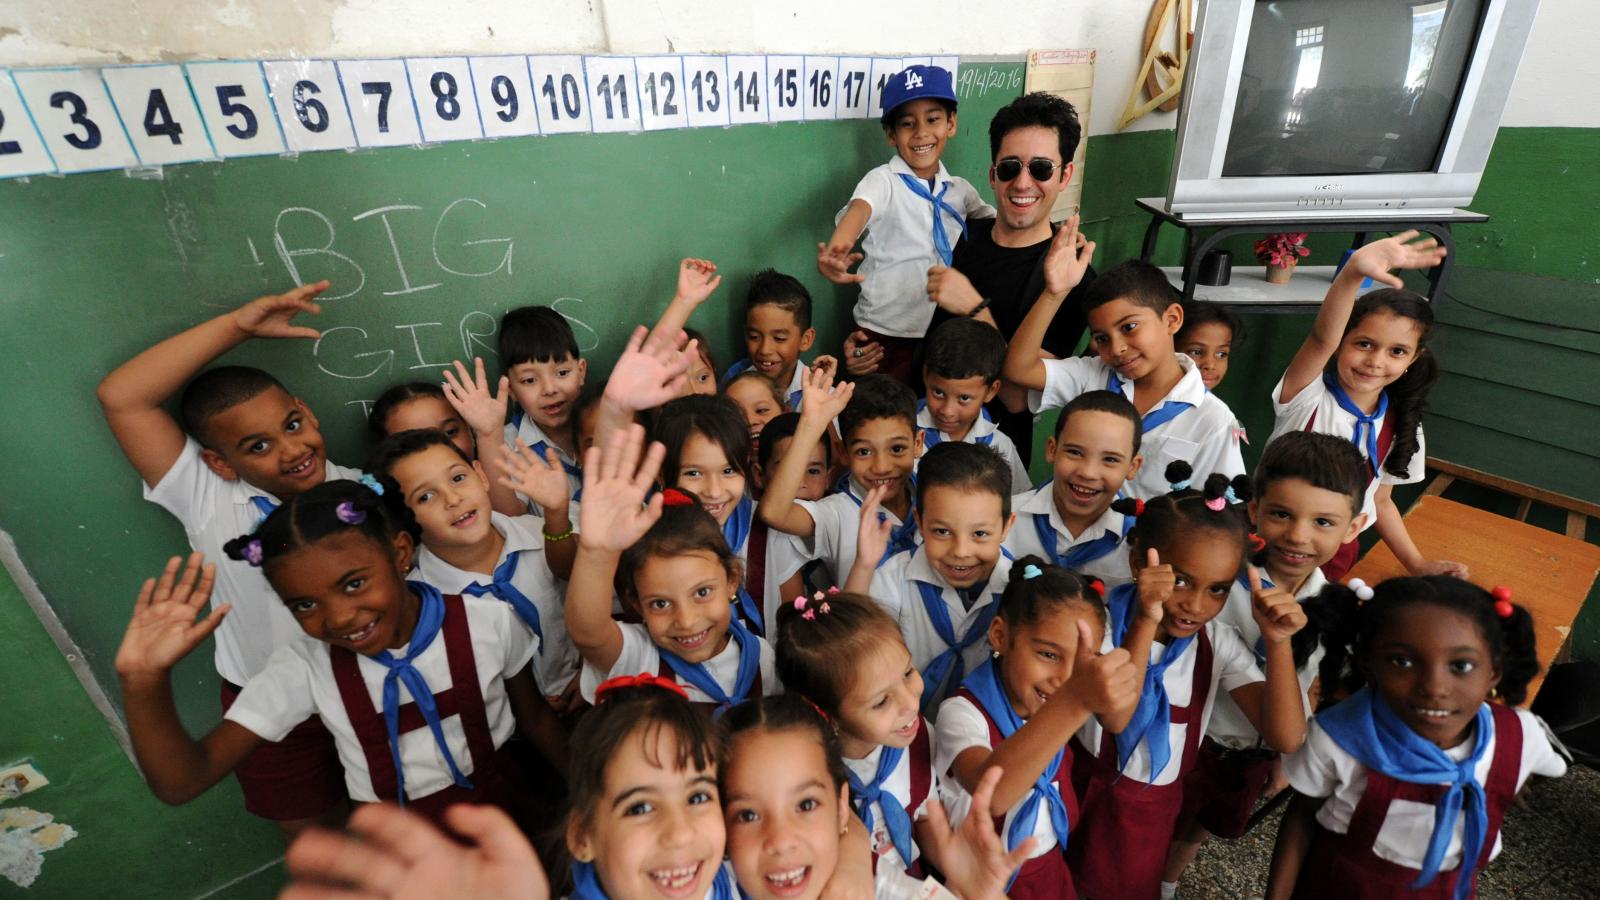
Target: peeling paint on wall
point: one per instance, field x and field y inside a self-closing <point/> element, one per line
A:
<point x="26" y="835"/>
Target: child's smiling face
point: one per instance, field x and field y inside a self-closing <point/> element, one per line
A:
<point x="882" y="706"/>
<point x="1303" y="525"/>
<point x="919" y="131"/>
<point x="774" y="341"/>
<point x="546" y="390"/>
<point x="448" y="496"/>
<point x="1089" y="461"/>
<point x="1132" y="339"/>
<point x="1209" y="345"/>
<point x="1204" y="563"/>
<point x="1377" y="351"/>
<point x="1036" y="659"/>
<point x="686" y="601"/>
<point x="348" y="589"/>
<point x="882" y="452"/>
<point x="955" y="403"/>
<point x="961" y="531"/>
<point x="1433" y="667"/>
<point x="270" y="441"/>
<point x="705" y="469"/>
<point x="784" y="814"/>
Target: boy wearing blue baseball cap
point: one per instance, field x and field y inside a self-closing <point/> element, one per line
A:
<point x="913" y="212"/>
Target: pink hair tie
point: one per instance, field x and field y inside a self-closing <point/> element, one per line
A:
<point x="1215" y="504"/>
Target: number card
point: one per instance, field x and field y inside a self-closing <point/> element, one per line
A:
<point x="159" y="114"/>
<point x="855" y="101"/>
<point x="310" y="105"/>
<point x="22" y="151"/>
<point x="882" y="69"/>
<point x="76" y="119"/>
<point x="379" y="95"/>
<point x="505" y="95"/>
<point x="747" y="89"/>
<point x="908" y="61"/>
<point x="445" y="100"/>
<point x="563" y="99"/>
<point x="233" y="99"/>
<point x="613" y="94"/>
<point x="785" y="77"/>
<point x="705" y="90"/>
<point x="951" y="64"/>
<point x="820" y="74"/>
<point x="661" y="92"/>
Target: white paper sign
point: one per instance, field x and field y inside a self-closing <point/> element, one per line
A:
<point x="22" y="151"/>
<point x="821" y="86"/>
<point x="747" y="89"/>
<point x="379" y="95"/>
<point x="159" y="114"/>
<point x="563" y="98"/>
<point x="446" y="102"/>
<point x="76" y="119"/>
<point x="310" y="105"/>
<point x="855" y="95"/>
<point x="705" y="90"/>
<point x="786" y="83"/>
<point x="238" y="113"/>
<point x="662" y="94"/>
<point x="506" y="102"/>
<point x="882" y="69"/>
<point x="613" y="93"/>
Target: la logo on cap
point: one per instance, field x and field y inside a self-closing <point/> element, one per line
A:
<point x="913" y="80"/>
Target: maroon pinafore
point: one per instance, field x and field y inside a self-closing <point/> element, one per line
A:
<point x="1345" y="559"/>
<point x="1343" y="866"/>
<point x="1120" y="844"/>
<point x="920" y="757"/>
<point x="1046" y="876"/>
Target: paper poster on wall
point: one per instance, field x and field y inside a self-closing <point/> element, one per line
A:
<point x="76" y="118"/>
<point x="238" y="112"/>
<point x="159" y="114"/>
<point x="1069" y="74"/>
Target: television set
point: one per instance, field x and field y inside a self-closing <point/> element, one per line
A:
<point x="1342" y="108"/>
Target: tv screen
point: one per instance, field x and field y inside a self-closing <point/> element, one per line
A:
<point x="1350" y="87"/>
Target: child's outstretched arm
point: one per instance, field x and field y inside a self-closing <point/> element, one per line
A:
<point x="162" y="631"/>
<point x="820" y="402"/>
<point x="1063" y="267"/>
<point x="1374" y="261"/>
<point x="131" y="396"/>
<point x="973" y="858"/>
<point x="485" y="413"/>
<point x="613" y="517"/>
<point x="697" y="279"/>
<point x="872" y="539"/>
<point x="647" y="374"/>
<point x="834" y="258"/>
<point x="543" y="481"/>
<point x="1275" y="707"/>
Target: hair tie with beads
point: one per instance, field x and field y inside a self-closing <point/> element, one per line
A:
<point x="1229" y="495"/>
<point x="818" y="603"/>
<point x="349" y="513"/>
<point x="1362" y="591"/>
<point x="252" y="552"/>
<point x="643" y="679"/>
<point x="1502" y="601"/>
<point x="675" y="497"/>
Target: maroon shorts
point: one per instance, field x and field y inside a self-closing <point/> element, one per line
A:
<point x="901" y="358"/>
<point x="1223" y="788"/>
<point x="299" y="777"/>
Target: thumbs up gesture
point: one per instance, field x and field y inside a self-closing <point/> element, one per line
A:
<point x="1155" y="583"/>
<point x="1102" y="684"/>
<point x="1276" y="610"/>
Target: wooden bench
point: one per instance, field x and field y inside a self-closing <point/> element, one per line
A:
<point x="1548" y="572"/>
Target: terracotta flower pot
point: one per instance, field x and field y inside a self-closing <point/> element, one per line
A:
<point x="1280" y="274"/>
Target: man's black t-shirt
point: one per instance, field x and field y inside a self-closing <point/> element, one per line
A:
<point x="1013" y="278"/>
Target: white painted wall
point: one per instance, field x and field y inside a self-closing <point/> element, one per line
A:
<point x="1553" y="87"/>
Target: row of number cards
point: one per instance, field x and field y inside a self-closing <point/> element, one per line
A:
<point x="84" y="120"/>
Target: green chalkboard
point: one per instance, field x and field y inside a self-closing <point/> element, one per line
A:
<point x="426" y="247"/>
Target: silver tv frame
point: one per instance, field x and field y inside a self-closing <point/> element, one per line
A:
<point x="1198" y="190"/>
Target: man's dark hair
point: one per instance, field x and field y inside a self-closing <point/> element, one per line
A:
<point x="1043" y="110"/>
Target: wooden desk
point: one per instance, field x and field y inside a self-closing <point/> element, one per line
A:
<point x="1549" y="573"/>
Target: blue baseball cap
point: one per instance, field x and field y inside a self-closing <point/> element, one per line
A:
<point x="917" y="83"/>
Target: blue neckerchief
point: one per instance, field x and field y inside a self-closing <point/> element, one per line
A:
<point x="736" y="531"/>
<point x="1367" y="729"/>
<point x="749" y="667"/>
<point x="1243" y="580"/>
<point x="429" y="619"/>
<point x="750" y="610"/>
<point x="903" y="537"/>
<point x="1157" y="417"/>
<point x="1152" y="718"/>
<point x="539" y="448"/>
<point x="586" y="884"/>
<point x="894" y="815"/>
<point x="264" y="507"/>
<point x="1079" y="554"/>
<point x="502" y="588"/>
<point x="948" y="668"/>
<point x="941" y="241"/>
<point x="1367" y="422"/>
<point x="932" y="436"/>
<point x="984" y="685"/>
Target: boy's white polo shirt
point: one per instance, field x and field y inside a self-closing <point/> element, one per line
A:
<point x="1039" y="504"/>
<point x="1202" y="436"/>
<point x="214" y="511"/>
<point x="298" y="683"/>
<point x="1316" y="400"/>
<point x="1230" y="727"/>
<point x="557" y="662"/>
<point x="895" y="590"/>
<point x="984" y="431"/>
<point x="524" y="427"/>
<point x="836" y="525"/>
<point x="898" y="245"/>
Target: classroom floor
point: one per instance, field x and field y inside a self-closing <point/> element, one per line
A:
<point x="1551" y="840"/>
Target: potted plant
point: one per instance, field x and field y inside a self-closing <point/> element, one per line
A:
<point x="1280" y="253"/>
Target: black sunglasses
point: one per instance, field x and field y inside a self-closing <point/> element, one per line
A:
<point x="1040" y="169"/>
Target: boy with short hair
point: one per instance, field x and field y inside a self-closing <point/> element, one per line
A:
<point x="960" y="375"/>
<point x="945" y="591"/>
<point x="244" y="443"/>
<point x="1069" y="519"/>
<point x="1133" y="313"/>
<point x="878" y="420"/>
<point x="539" y="354"/>
<point x="777" y="329"/>
<point x="1308" y="491"/>
<point x="895" y="204"/>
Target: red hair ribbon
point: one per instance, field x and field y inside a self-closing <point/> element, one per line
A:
<point x="1138" y="507"/>
<point x="817" y="709"/>
<point x="675" y="497"/>
<point x="1502" y="601"/>
<point x="1257" y="542"/>
<point x="643" y="679"/>
<point x="1098" y="586"/>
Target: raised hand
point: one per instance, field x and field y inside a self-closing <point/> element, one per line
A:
<point x="650" y="372"/>
<point x="826" y="364"/>
<point x="873" y="537"/>
<point x="820" y="399"/>
<point x="482" y="410"/>
<point x="1276" y="611"/>
<point x="1067" y="259"/>
<point x="1377" y="259"/>
<point x="1155" y="582"/>
<point x="834" y="262"/>
<point x="540" y="479"/>
<point x="862" y="356"/>
<point x="1102" y="684"/>
<point x="951" y="291"/>
<point x="697" y="278"/>
<point x="973" y="858"/>
<point x="394" y="853"/>
<point x="163" y="629"/>
<point x="1441" y="567"/>
<point x="271" y="316"/>
<point x="616" y="481"/>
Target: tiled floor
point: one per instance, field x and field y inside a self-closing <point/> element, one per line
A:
<point x="1552" y="850"/>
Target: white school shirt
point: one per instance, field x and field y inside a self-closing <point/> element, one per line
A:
<point x="786" y="555"/>
<point x="1229" y="726"/>
<point x="895" y="590"/>
<point x="523" y="426"/>
<point x="1203" y="436"/>
<point x="898" y="245"/>
<point x="836" y="521"/>
<point x="640" y="655"/>
<point x="1024" y="537"/>
<point x="1315" y="398"/>
<point x="557" y="661"/>
<point x="791" y="394"/>
<point x="214" y="511"/>
<point x="297" y="683"/>
<point x="1233" y="665"/>
<point x="983" y="431"/>
<point x="898" y="785"/>
<point x="1321" y="768"/>
<point x="962" y="725"/>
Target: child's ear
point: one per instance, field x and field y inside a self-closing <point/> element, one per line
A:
<point x="579" y="844"/>
<point x="994" y="388"/>
<point x="1356" y="524"/>
<point x="216" y="463"/>
<point x="1135" y="559"/>
<point x="807" y="338"/>
<point x="1006" y="528"/>
<point x="1251" y="509"/>
<point x="1135" y="466"/>
<point x="997" y="634"/>
<point x="916" y="439"/>
<point x="583" y="371"/>
<point x="310" y="417"/>
<point x="1172" y="317"/>
<point x="484" y="476"/>
<point x="845" y="813"/>
<point x="405" y="550"/>
<point x="952" y="128"/>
